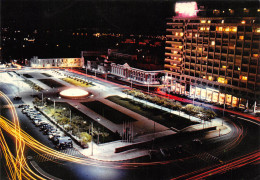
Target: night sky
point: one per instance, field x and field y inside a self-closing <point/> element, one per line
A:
<point x="117" y="15"/>
<point x="141" y="16"/>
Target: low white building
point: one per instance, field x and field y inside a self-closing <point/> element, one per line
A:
<point x="56" y="62"/>
<point x="136" y="75"/>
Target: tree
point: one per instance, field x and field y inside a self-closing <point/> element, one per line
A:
<point x="189" y="109"/>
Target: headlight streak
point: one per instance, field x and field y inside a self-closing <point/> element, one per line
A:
<point x="19" y="169"/>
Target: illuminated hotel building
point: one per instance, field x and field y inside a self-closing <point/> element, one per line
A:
<point x="213" y="58"/>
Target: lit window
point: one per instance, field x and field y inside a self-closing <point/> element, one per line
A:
<point x="258" y="10"/>
<point x="222" y="80"/>
<point x="204" y="77"/>
<point x="244" y="78"/>
<point x="227" y="29"/>
<point x="180" y="59"/>
<point x="180" y="47"/>
<point x="219" y="28"/>
<point x="212" y="43"/>
<point x="207" y="28"/>
<point x="202" y="21"/>
<point x="209" y="21"/>
<point x="175" y="52"/>
<point x="176" y="34"/>
<point x="202" y="28"/>
<point x="243" y="22"/>
<point x="238" y="68"/>
<point x="258" y="30"/>
<point x="222" y="21"/>
<point x="234" y="29"/>
<point x="210" y="78"/>
<point x="256" y="55"/>
<point x="181" y="34"/>
<point x="196" y="35"/>
<point x="241" y="37"/>
<point x="224" y="67"/>
<point x="246" y="10"/>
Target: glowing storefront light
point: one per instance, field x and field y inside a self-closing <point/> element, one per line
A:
<point x="186" y="9"/>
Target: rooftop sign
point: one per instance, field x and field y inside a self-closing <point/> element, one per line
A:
<point x="186" y="9"/>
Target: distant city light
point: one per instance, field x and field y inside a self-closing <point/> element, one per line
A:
<point x="186" y="9"/>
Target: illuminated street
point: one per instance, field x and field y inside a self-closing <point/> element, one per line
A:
<point x="129" y="90"/>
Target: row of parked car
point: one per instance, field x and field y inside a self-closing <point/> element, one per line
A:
<point x="54" y="134"/>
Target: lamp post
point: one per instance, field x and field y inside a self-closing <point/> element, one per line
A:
<point x="42" y="98"/>
<point x="98" y="119"/>
<point x="70" y="114"/>
<point x="53" y="103"/>
<point x="92" y="139"/>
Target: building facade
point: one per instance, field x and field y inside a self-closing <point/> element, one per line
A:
<point x="215" y="59"/>
<point x="57" y="62"/>
<point x="136" y="75"/>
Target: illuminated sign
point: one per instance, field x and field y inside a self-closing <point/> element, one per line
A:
<point x="186" y="9"/>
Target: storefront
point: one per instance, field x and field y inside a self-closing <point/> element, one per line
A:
<point x="208" y="94"/>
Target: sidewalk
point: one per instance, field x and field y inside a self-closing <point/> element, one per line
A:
<point x="208" y="105"/>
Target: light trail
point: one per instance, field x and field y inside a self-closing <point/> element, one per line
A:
<point x="232" y="164"/>
<point x="19" y="169"/>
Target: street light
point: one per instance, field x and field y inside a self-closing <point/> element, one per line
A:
<point x="70" y="115"/>
<point x="92" y="138"/>
<point x="98" y="119"/>
<point x="42" y="98"/>
<point x="53" y="104"/>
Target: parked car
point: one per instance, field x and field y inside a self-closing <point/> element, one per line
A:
<point x="23" y="106"/>
<point x="64" y="142"/>
<point x="49" y="129"/>
<point x="36" y="121"/>
<point x="55" y="134"/>
<point x="17" y="98"/>
<point x="44" y="126"/>
<point x="39" y="124"/>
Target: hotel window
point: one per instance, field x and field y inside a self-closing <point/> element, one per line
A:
<point x="202" y="21"/>
<point x="210" y="78"/>
<point x="241" y="37"/>
<point x="246" y="10"/>
<point x="219" y="28"/>
<point x="222" y="80"/>
<point x="216" y="12"/>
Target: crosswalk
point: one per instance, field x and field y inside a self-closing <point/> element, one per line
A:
<point x="48" y="157"/>
<point x="208" y="158"/>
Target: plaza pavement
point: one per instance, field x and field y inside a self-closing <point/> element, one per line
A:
<point x="106" y="151"/>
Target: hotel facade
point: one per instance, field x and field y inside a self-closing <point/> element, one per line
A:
<point x="214" y="58"/>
